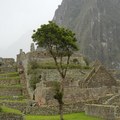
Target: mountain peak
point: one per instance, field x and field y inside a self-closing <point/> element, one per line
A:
<point x="97" y="27"/>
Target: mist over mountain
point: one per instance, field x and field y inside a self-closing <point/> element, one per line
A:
<point x="22" y="43"/>
<point x="97" y="27"/>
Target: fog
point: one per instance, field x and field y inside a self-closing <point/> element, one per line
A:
<point x="18" y="18"/>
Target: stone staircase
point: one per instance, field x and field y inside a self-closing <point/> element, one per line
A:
<point x="11" y="91"/>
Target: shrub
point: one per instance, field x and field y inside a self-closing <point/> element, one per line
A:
<point x="35" y="78"/>
<point x="0" y="109"/>
<point x="34" y="65"/>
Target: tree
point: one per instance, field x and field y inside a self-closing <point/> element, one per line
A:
<point x="60" y="43"/>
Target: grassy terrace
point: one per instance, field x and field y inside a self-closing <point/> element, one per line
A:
<point x="75" y="116"/>
<point x="10" y="76"/>
<point x="51" y="65"/>
<point x="9" y="110"/>
<point x="11" y="97"/>
<point x="71" y="66"/>
<point x="11" y="86"/>
<point x="13" y="101"/>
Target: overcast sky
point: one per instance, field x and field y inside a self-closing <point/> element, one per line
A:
<point x="18" y="17"/>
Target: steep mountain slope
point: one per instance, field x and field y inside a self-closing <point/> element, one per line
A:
<point x="97" y="27"/>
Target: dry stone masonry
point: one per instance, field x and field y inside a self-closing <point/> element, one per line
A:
<point x="94" y="86"/>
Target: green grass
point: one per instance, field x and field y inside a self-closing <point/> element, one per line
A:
<point x="13" y="101"/>
<point x="12" y="97"/>
<point x="53" y="66"/>
<point x="10" y="110"/>
<point x="10" y="78"/>
<point x="12" y="86"/>
<point x="76" y="116"/>
<point x="12" y="74"/>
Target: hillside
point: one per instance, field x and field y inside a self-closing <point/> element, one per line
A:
<point x="97" y="27"/>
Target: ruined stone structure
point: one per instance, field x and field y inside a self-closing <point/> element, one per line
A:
<point x="32" y="49"/>
<point x="99" y="77"/>
<point x="95" y="85"/>
<point x="107" y="112"/>
<point x="7" y="65"/>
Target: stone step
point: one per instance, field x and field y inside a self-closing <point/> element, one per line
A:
<point x="10" y="90"/>
<point x="12" y="97"/>
<point x="11" y="116"/>
<point x="10" y="81"/>
<point x="19" y="105"/>
<point x="5" y="70"/>
<point x="12" y="74"/>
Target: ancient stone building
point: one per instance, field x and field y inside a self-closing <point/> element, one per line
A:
<point x="99" y="77"/>
<point x="93" y="85"/>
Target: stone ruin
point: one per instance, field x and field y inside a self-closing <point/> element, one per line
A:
<point x="108" y="109"/>
<point x="7" y="65"/>
<point x="89" y="91"/>
<point x="99" y="77"/>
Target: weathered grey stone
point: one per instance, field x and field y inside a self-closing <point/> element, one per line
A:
<point x="10" y="116"/>
<point x="32" y="47"/>
<point x="97" y="27"/>
<point x="99" y="77"/>
<point x="104" y="111"/>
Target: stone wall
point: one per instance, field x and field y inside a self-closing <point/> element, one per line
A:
<point x="104" y="111"/>
<point x="10" y="116"/>
<point x="10" y="91"/>
<point x="7" y="81"/>
<point x="7" y="65"/>
<point x="7" y="69"/>
<point x="115" y="100"/>
<point x="72" y="94"/>
<point x="15" y="105"/>
<point x="54" y="110"/>
<point x="47" y="74"/>
<point x="53" y="75"/>
<point x="99" y="77"/>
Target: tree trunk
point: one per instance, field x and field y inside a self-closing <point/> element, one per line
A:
<point x="61" y="111"/>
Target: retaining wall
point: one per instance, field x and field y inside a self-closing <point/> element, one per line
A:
<point x="10" y="116"/>
<point x="15" y="105"/>
<point x="9" y="91"/>
<point x="54" y="110"/>
<point x="9" y="82"/>
<point x="106" y="112"/>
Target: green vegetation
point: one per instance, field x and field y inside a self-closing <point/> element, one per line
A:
<point x="12" y="97"/>
<point x="13" y="101"/>
<point x="51" y="65"/>
<point x="34" y="71"/>
<point x="12" y="74"/>
<point x="12" y="86"/>
<point x="10" y="78"/>
<point x="10" y="110"/>
<point x="35" y="78"/>
<point x="76" y="116"/>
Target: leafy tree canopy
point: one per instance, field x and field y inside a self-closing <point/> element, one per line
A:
<point x="56" y="39"/>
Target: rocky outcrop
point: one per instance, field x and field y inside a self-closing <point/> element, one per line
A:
<point x="97" y="27"/>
